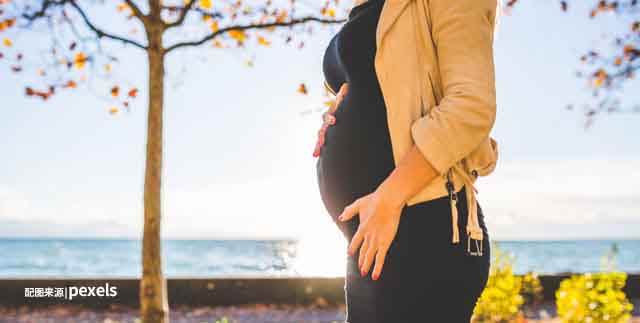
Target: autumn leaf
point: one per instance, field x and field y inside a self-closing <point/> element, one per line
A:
<point x="6" y="24"/>
<point x="629" y="51"/>
<point x="206" y="4"/>
<point x="122" y="7"/>
<point x="217" y="44"/>
<point x="115" y="91"/>
<point x="302" y="88"/>
<point x="618" y="61"/>
<point x="42" y="94"/>
<point x="599" y="77"/>
<point x="133" y="93"/>
<point x="282" y="16"/>
<point x="79" y="60"/>
<point x="215" y="26"/>
<point x="263" y="41"/>
<point x="71" y="84"/>
<point x="238" y="35"/>
<point x="7" y="42"/>
<point x="113" y="110"/>
<point x="107" y="67"/>
<point x="328" y="12"/>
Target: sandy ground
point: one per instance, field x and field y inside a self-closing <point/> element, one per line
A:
<point x="234" y="314"/>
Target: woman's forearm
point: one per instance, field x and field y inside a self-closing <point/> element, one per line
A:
<point x="411" y="175"/>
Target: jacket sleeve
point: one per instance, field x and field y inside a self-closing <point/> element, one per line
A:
<point x="462" y="31"/>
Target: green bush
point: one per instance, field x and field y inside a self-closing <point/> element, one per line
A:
<point x="500" y="301"/>
<point x="593" y="298"/>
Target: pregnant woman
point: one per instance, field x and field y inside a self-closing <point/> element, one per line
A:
<point x="399" y="153"/>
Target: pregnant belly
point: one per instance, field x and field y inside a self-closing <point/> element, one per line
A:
<point x="355" y="158"/>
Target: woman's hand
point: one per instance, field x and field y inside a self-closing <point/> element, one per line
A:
<point x="380" y="211"/>
<point x="379" y="220"/>
<point x="328" y="119"/>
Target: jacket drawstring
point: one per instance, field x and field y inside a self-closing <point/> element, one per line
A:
<point x="474" y="231"/>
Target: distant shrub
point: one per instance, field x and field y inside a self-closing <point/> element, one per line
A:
<point x="223" y="320"/>
<point x="500" y="301"/>
<point x="593" y="298"/>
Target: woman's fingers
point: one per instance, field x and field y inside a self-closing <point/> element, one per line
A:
<point x="363" y="254"/>
<point x="367" y="253"/>
<point x="380" y="256"/>
<point x="328" y="119"/>
<point x="320" y="140"/>
<point x="316" y="151"/>
<point x="339" y="96"/>
<point x="350" y="211"/>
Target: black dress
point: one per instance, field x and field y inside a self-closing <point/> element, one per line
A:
<point x="425" y="278"/>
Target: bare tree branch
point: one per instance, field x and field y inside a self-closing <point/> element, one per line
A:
<point x="136" y="10"/>
<point x="101" y="33"/>
<point x="247" y="27"/>
<point x="183" y="15"/>
<point x="40" y="13"/>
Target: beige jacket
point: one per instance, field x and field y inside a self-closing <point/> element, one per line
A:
<point x="434" y="63"/>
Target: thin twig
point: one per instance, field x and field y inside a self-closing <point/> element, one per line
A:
<point x="247" y="27"/>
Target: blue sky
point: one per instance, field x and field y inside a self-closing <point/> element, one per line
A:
<point x="238" y="144"/>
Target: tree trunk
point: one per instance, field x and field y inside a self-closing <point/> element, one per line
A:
<point x="154" y="306"/>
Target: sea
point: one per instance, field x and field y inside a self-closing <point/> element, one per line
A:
<point x="119" y="258"/>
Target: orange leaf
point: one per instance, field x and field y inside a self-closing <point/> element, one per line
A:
<point x="264" y="42"/>
<point x="217" y="44"/>
<point x="7" y="42"/>
<point x="329" y="12"/>
<point x="71" y="84"/>
<point x="6" y="24"/>
<point x="133" y="92"/>
<point x="215" y="26"/>
<point x="205" y="4"/>
<point x="281" y="16"/>
<point x="113" y="110"/>
<point x="303" y="89"/>
<point x="238" y="35"/>
<point x="115" y="91"/>
<point x="79" y="60"/>
<point x="122" y="7"/>
<point x="618" y="61"/>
